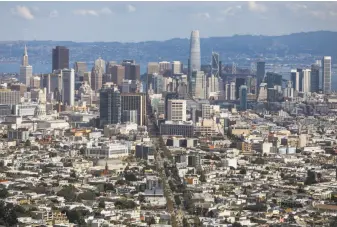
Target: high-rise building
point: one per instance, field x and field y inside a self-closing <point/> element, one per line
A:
<point x="97" y="72"/>
<point x="243" y="97"/>
<point x="164" y="66"/>
<point x="109" y="66"/>
<point x="206" y="110"/>
<point x="169" y="96"/>
<point x="306" y="80"/>
<point x="60" y="57"/>
<point x="109" y="106"/>
<point x="176" y="110"/>
<point x="35" y="82"/>
<point x="260" y="72"/>
<point x="152" y="68"/>
<point x="177" y="67"/>
<point x="80" y="68"/>
<point x="326" y="73"/>
<point x="195" y="60"/>
<point x="135" y="101"/>
<point x="9" y="97"/>
<point x="117" y="74"/>
<point x="232" y="91"/>
<point x="26" y="70"/>
<point x="25" y="57"/>
<point x="273" y="79"/>
<point x="238" y="83"/>
<point x="200" y="90"/>
<point x="68" y="87"/>
<point x="314" y="80"/>
<point x="132" y="70"/>
<point x="215" y="64"/>
<point x="289" y="90"/>
<point x="213" y="85"/>
<point x="295" y="79"/>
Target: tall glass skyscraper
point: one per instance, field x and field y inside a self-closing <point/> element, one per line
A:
<point x="195" y="63"/>
<point x="243" y="97"/>
<point x="110" y="106"/>
<point x="326" y="72"/>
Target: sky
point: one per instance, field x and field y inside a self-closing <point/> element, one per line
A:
<point x="145" y="21"/>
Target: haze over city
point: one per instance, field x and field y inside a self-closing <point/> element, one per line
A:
<point x="144" y="21"/>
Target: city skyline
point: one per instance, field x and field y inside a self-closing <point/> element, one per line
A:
<point x="38" y="20"/>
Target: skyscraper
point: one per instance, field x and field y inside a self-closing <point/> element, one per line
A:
<point x="68" y="87"/>
<point x="200" y="90"/>
<point x="132" y="70"/>
<point x="326" y="73"/>
<point x="60" y="57"/>
<point x="80" y="68"/>
<point x="135" y="101"/>
<point x="295" y="79"/>
<point x="273" y="79"/>
<point x="238" y="83"/>
<point x="164" y="66"/>
<point x="260" y="72"/>
<point x="109" y="106"/>
<point x="117" y="74"/>
<point x="314" y="80"/>
<point x="243" y="97"/>
<point x="195" y="61"/>
<point x="152" y="68"/>
<point x="215" y="64"/>
<point x="177" y="67"/>
<point x="26" y="70"/>
<point x="100" y="63"/>
<point x="306" y="80"/>
<point x="176" y="110"/>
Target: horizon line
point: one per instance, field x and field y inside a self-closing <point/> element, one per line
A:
<point x="36" y="40"/>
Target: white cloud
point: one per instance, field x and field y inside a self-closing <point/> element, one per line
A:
<point x="131" y="8"/>
<point x="296" y="6"/>
<point x="90" y="12"/>
<point x="256" y="7"/>
<point x="231" y="11"/>
<point x="23" y="11"/>
<point x="53" y="13"/>
<point x="204" y="15"/>
<point x="106" y="11"/>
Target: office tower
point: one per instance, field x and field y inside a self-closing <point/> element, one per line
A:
<point x="135" y="101"/>
<point x="26" y="70"/>
<point x="152" y="68"/>
<point x="109" y="106"/>
<point x="206" y="111"/>
<point x="80" y="68"/>
<point x="35" y="82"/>
<point x="96" y="80"/>
<point x="164" y="66"/>
<point x="176" y="110"/>
<point x="273" y="79"/>
<point x="200" y="85"/>
<point x="177" y="67"/>
<point x="295" y="79"/>
<point x="243" y="97"/>
<point x="87" y="77"/>
<point x="260" y="72"/>
<point x="129" y="116"/>
<point x="314" y="80"/>
<point x="213" y="85"/>
<point x="238" y="83"/>
<point x="132" y="70"/>
<point x="289" y="90"/>
<point x="227" y="91"/>
<point x="100" y="63"/>
<point x="195" y="60"/>
<point x="232" y="95"/>
<point x="117" y="74"/>
<point x="9" y="97"/>
<point x="157" y="83"/>
<point x="169" y="96"/>
<point x="60" y="57"/>
<point x="306" y="80"/>
<point x="326" y="73"/>
<point x="109" y="66"/>
<point x="215" y="64"/>
<point x="52" y="81"/>
<point x="68" y="85"/>
<point x="22" y="88"/>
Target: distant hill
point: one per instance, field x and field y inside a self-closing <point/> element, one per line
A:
<point x="231" y="49"/>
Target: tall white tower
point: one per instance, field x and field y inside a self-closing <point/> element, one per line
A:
<point x="195" y="60"/>
<point x="26" y="70"/>
<point x="326" y="72"/>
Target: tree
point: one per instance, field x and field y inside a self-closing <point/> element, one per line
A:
<point x="82" y="151"/>
<point x="28" y="143"/>
<point x="141" y="198"/>
<point x="130" y="177"/>
<point x="243" y="171"/>
<point x="3" y="193"/>
<point x="151" y="221"/>
<point x="75" y="216"/>
<point x="101" y="204"/>
<point x="125" y="204"/>
<point x="88" y="195"/>
<point x="68" y="192"/>
<point x="202" y="177"/>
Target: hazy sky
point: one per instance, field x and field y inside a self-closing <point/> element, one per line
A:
<point x="143" y="21"/>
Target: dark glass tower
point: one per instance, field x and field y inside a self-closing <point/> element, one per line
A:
<point x="314" y="80"/>
<point x="260" y="72"/>
<point x="60" y="57"/>
<point x="109" y="106"/>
